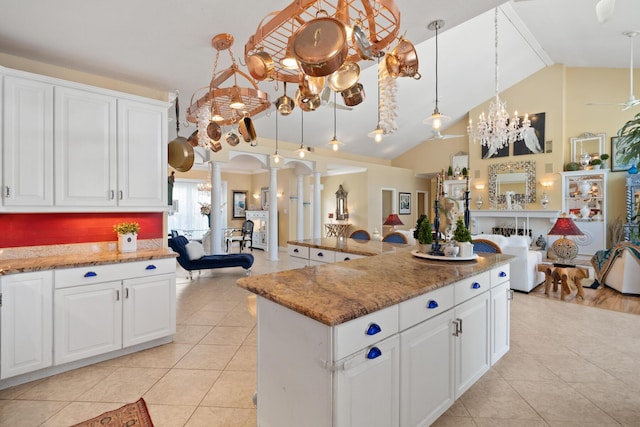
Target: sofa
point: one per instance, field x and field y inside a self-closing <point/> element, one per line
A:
<point x="619" y="267"/>
<point x="191" y="257"/>
<point x="524" y="268"/>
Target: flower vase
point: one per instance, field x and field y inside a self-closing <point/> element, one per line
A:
<point x="633" y="169"/>
<point x="127" y="242"/>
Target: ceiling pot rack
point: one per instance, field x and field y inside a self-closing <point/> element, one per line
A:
<point x="218" y="99"/>
<point x="379" y="18"/>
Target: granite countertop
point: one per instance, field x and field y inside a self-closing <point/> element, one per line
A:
<point x="69" y="256"/>
<point x="351" y="246"/>
<point x="336" y="293"/>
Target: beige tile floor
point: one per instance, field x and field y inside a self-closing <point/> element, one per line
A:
<point x="569" y="365"/>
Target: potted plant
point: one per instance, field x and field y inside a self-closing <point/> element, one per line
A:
<point x="604" y="157"/>
<point x="629" y="143"/>
<point x="127" y="236"/>
<point x="423" y="233"/>
<point x="462" y="236"/>
<point x="596" y="163"/>
<point x="450" y="172"/>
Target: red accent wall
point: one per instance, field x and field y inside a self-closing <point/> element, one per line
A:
<point x="38" y="229"/>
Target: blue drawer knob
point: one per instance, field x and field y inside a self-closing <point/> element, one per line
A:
<point x="475" y="285"/>
<point x="432" y="304"/>
<point x="502" y="274"/>
<point x="150" y="267"/>
<point x="90" y="274"/>
<point x="373" y="329"/>
<point x="320" y="254"/>
<point x="347" y="258"/>
<point x="296" y="251"/>
<point x="374" y="352"/>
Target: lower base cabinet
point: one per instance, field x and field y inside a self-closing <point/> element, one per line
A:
<point x="501" y="297"/>
<point x="26" y="332"/>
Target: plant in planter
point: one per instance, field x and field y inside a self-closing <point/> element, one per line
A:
<point x="629" y="143"/>
<point x="450" y="172"/>
<point x="604" y="157"/>
<point x="417" y="229"/>
<point x="424" y="232"/>
<point x="596" y="163"/>
<point x="127" y="236"/>
<point x="462" y="235"/>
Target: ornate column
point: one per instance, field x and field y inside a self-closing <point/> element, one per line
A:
<point x="273" y="214"/>
<point x="317" y="207"/>
<point x="216" y="202"/>
<point x="300" y="216"/>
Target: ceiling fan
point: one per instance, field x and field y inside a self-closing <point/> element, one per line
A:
<point x="632" y="101"/>
<point x="436" y="135"/>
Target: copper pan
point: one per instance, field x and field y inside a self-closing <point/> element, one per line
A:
<point x="320" y="46"/>
<point x="261" y="65"/>
<point x="310" y="86"/>
<point x="181" y="155"/>
<point x="344" y="77"/>
<point x="193" y="139"/>
<point x="246" y="129"/>
<point x="213" y="131"/>
<point x="353" y="95"/>
<point x="407" y="57"/>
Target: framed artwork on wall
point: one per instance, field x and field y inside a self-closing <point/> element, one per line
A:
<point x="264" y="198"/>
<point x="532" y="141"/>
<point x="404" y="204"/>
<point x="491" y="153"/>
<point x="239" y="204"/>
<point x="616" y="163"/>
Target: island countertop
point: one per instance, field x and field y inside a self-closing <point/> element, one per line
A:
<point x="352" y="246"/>
<point x="336" y="293"/>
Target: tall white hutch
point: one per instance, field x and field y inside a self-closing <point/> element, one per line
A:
<point x="260" y="229"/>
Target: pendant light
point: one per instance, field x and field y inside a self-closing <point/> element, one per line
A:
<point x="334" y="143"/>
<point x="276" y="157"/>
<point x="436" y="120"/>
<point x="301" y="151"/>
<point x="378" y="133"/>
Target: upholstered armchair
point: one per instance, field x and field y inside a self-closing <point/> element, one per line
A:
<point x="524" y="273"/>
<point x="619" y="267"/>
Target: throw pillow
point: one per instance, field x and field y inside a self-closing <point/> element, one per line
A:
<point x="195" y="250"/>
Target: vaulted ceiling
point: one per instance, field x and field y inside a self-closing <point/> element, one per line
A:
<point x="165" y="44"/>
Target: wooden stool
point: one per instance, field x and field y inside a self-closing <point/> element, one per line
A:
<point x="569" y="278"/>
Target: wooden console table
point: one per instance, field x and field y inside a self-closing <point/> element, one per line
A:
<point x="566" y="277"/>
<point x="337" y="229"/>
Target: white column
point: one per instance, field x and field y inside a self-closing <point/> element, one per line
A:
<point x="300" y="217"/>
<point x="273" y="214"/>
<point x="317" y="208"/>
<point x="216" y="216"/>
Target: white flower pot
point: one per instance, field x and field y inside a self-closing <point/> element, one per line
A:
<point x="127" y="242"/>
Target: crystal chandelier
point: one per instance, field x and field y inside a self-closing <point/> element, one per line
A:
<point x="496" y="130"/>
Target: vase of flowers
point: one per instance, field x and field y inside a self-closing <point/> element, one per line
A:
<point x="127" y="236"/>
<point x="205" y="209"/>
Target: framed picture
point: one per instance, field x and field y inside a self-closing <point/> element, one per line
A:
<point x="460" y="160"/>
<point x="264" y="198"/>
<point x="404" y="204"/>
<point x="492" y="153"/>
<point x="239" y="204"/>
<point x="532" y="141"/>
<point x="616" y="163"/>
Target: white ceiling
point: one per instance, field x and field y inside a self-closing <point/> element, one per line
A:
<point x="165" y="44"/>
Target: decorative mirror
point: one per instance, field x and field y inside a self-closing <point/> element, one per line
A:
<point x="342" y="213"/>
<point x="587" y="144"/>
<point x="513" y="184"/>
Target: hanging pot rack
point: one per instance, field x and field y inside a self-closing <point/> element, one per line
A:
<point x="218" y="99"/>
<point x="379" y="18"/>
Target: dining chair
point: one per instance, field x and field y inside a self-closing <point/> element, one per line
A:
<point x="395" y="237"/>
<point x="360" y="235"/>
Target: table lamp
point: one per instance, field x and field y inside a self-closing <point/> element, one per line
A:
<point x="564" y="248"/>
<point x="393" y="220"/>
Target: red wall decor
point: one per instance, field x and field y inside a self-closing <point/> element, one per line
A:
<point x="39" y="229"/>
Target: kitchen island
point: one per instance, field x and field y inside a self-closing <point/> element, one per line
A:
<point x="383" y="340"/>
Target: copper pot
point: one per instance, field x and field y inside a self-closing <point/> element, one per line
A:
<point x="181" y="154"/>
<point x="307" y="103"/>
<point x="193" y="139"/>
<point x="344" y="77"/>
<point x="213" y="131"/>
<point x="232" y="139"/>
<point x="310" y="86"/>
<point x="246" y="129"/>
<point x="320" y="46"/>
<point x="353" y="95"/>
<point x="261" y="65"/>
<point x="284" y="104"/>
<point x="407" y="60"/>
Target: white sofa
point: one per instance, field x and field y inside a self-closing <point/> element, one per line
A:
<point x="524" y="268"/>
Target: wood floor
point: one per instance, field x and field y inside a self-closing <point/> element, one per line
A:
<point x="603" y="297"/>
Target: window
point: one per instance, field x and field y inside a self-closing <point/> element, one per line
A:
<point x="188" y="220"/>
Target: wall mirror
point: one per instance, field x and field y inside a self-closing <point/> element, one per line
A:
<point x="589" y="143"/>
<point x="342" y="212"/>
<point x="512" y="184"/>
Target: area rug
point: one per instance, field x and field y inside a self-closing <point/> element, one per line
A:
<point x="131" y="414"/>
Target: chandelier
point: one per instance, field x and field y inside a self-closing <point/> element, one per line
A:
<point x="226" y="105"/>
<point x="496" y="130"/>
<point x="204" y="187"/>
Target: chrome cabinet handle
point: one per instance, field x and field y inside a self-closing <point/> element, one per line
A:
<point x="8" y="192"/>
<point x="120" y="194"/>
<point x="126" y="293"/>
<point x="112" y="194"/>
<point x="456" y="326"/>
<point x="117" y="295"/>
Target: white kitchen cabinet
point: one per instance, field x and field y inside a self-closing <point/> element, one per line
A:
<point x="26" y="318"/>
<point x="142" y="154"/>
<point x="105" y="308"/>
<point x="27" y="159"/>
<point x="260" y="229"/>
<point x="501" y="297"/>
<point x="85" y="148"/>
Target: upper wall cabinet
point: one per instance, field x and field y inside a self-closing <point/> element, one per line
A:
<point x="27" y="166"/>
<point x="69" y="146"/>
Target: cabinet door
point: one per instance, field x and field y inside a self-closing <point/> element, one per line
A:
<point x="142" y="154"/>
<point x="28" y="143"/>
<point x="26" y="318"/>
<point x="472" y="341"/>
<point x="88" y="321"/>
<point x="368" y="387"/>
<point x="85" y="154"/>
<point x="426" y="370"/>
<point x="500" y="321"/>
<point x="149" y="309"/>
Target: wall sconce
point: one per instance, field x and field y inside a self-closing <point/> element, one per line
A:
<point x="544" y="199"/>
<point x="280" y="194"/>
<point x="479" y="201"/>
<point x="256" y="195"/>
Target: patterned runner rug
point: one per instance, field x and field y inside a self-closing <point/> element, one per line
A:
<point x="131" y="414"/>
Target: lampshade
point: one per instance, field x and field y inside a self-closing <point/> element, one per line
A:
<point x="564" y="248"/>
<point x="393" y="219"/>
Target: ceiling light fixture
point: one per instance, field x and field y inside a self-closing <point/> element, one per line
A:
<point x="436" y="120"/>
<point x="301" y="151"/>
<point x="236" y="99"/>
<point x="334" y="143"/>
<point x="378" y="133"/>
<point x="496" y="130"/>
<point x="289" y="61"/>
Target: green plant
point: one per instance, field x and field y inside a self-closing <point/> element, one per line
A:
<point x="127" y="227"/>
<point x="462" y="233"/>
<point x="425" y="235"/>
<point x="572" y="166"/>
<point x="415" y="230"/>
<point x="450" y="171"/>
<point x="604" y="157"/>
<point x="595" y="162"/>
<point x="465" y="172"/>
<point x="629" y="143"/>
